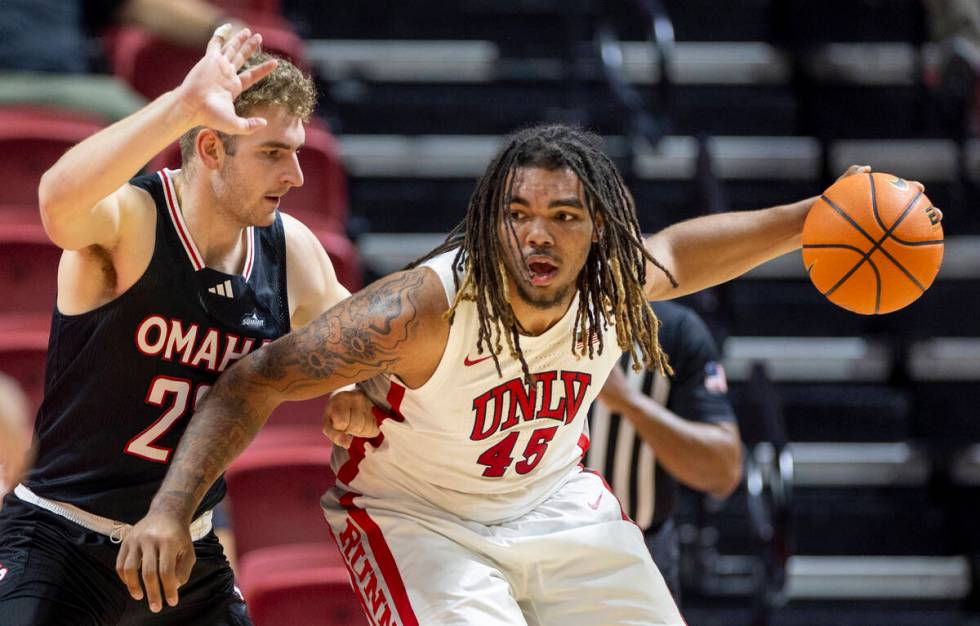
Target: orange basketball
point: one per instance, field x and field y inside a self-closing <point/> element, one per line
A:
<point x="872" y="243"/>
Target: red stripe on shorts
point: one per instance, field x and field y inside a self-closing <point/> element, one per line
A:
<point x="350" y="571"/>
<point x="384" y="559"/>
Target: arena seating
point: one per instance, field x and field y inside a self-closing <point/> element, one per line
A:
<point x="302" y="594"/>
<point x="28" y="277"/>
<point x="279" y="482"/>
<point x="22" y="356"/>
<point x="31" y="140"/>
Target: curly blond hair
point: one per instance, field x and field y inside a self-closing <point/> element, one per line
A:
<point x="286" y="86"/>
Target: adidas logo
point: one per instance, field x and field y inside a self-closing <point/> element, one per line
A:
<point x="223" y="289"/>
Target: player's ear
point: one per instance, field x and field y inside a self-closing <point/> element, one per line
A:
<point x="210" y="148"/>
<point x="599" y="230"/>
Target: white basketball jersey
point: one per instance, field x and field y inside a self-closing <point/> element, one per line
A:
<point x="481" y="446"/>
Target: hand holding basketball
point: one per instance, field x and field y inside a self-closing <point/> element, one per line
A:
<point x="872" y="242"/>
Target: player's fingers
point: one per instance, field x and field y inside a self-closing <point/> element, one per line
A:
<point x="151" y="580"/>
<point x="918" y="185"/>
<point x="234" y="44"/>
<point x="127" y="568"/>
<point x="253" y="75"/>
<point x="340" y="417"/>
<point x="185" y="564"/>
<point x="249" y="46"/>
<point x="364" y="423"/>
<point x="247" y="125"/>
<point x="219" y="37"/>
<point x="168" y="573"/>
<point x="854" y="169"/>
<point x="336" y="437"/>
<point x="939" y="212"/>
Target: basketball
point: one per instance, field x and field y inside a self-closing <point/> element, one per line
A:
<point x="872" y="243"/>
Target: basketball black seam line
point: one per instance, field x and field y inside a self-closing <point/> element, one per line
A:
<point x="881" y="223"/>
<point x="849" y="273"/>
<point x="857" y="227"/>
<point x="839" y="246"/>
<point x="874" y="203"/>
<point x="931" y="242"/>
<point x="877" y="286"/>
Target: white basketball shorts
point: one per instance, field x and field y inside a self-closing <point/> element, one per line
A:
<point x="575" y="560"/>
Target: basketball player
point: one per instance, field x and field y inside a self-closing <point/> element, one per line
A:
<point x="166" y="279"/>
<point x="470" y="506"/>
<point x="649" y="431"/>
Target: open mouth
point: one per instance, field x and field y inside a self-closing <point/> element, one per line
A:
<point x="273" y="199"/>
<point x="542" y="271"/>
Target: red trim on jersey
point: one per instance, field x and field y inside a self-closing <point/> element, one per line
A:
<point x="348" y="472"/>
<point x="249" y="252"/>
<point x="610" y="490"/>
<point x="396" y="394"/>
<point x="583" y="443"/>
<point x="355" y="454"/>
<point x="383" y="557"/>
<point x="178" y="220"/>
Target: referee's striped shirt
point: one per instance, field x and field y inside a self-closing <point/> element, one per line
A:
<point x="697" y="391"/>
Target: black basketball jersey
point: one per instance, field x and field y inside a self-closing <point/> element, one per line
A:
<point x="121" y="381"/>
<point x="696" y="392"/>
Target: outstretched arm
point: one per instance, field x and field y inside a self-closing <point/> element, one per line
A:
<point x="372" y="332"/>
<point x="710" y="250"/>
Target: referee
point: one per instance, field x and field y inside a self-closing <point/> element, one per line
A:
<point x="648" y="432"/>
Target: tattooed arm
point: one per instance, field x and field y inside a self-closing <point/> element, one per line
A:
<point x="370" y="333"/>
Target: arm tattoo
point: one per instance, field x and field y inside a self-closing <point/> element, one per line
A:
<point x="360" y="337"/>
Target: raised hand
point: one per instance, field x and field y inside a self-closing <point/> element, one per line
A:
<point x="210" y="88"/>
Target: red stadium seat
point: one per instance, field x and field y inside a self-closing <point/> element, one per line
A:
<point x="274" y="495"/>
<point x="276" y="435"/>
<point x="263" y="561"/>
<point x="152" y="66"/>
<point x="306" y="414"/>
<point x="28" y="271"/>
<point x="303" y="596"/>
<point x="343" y="254"/>
<point x="236" y="7"/>
<point x="22" y="356"/>
<point x="30" y="142"/>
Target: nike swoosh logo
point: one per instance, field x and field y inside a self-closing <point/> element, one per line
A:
<point x="467" y="362"/>
<point x="597" y="501"/>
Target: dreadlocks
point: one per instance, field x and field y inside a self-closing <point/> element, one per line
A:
<point x="610" y="284"/>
